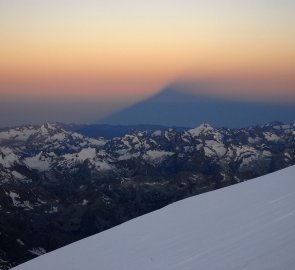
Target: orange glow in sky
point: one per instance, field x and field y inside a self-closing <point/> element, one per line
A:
<point x="131" y="49"/>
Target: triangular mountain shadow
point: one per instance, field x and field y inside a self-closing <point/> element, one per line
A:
<point x="173" y="107"/>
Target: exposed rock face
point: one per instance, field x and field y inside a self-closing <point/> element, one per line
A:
<point x="57" y="186"/>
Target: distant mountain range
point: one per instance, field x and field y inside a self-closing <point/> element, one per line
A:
<point x="58" y="186"/>
<point x="174" y="107"/>
<point x="112" y="131"/>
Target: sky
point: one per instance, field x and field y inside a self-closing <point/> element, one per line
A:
<point x="117" y="52"/>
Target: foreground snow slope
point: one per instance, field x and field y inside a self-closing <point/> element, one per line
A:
<point x="246" y="226"/>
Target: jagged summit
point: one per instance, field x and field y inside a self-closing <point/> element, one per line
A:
<point x="202" y="129"/>
<point x="49" y="126"/>
<point x="175" y="107"/>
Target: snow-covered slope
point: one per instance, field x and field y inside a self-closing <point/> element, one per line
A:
<point x="246" y="226"/>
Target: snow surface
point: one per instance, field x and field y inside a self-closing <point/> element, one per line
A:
<point x="17" y="134"/>
<point x="156" y="155"/>
<point x="14" y="197"/>
<point x="38" y="251"/>
<point x="20" y="242"/>
<point x="38" y="162"/>
<point x="217" y="148"/>
<point x="17" y="175"/>
<point x="271" y="137"/>
<point x="127" y="156"/>
<point x="246" y="226"/>
<point x="88" y="153"/>
<point x="157" y="133"/>
<point x="9" y="158"/>
<point x="202" y="129"/>
<point x="16" y="200"/>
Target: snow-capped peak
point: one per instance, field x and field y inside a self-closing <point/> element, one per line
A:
<point x="47" y="127"/>
<point x="202" y="129"/>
